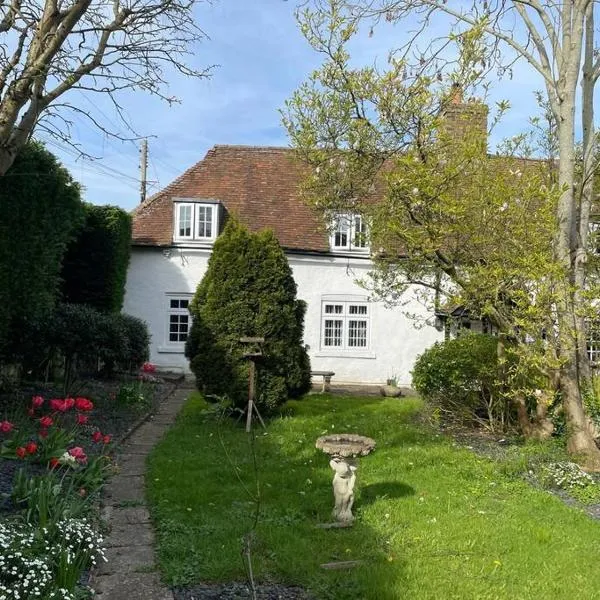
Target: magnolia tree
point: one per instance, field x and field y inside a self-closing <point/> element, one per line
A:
<point x="504" y="237"/>
<point x="50" y="48"/>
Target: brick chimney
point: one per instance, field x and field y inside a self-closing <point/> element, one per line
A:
<point x="464" y="120"/>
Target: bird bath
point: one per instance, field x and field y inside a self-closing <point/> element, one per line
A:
<point x="343" y="449"/>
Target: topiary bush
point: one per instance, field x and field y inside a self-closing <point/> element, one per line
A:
<point x="461" y="377"/>
<point x="248" y="290"/>
<point x="95" y="266"/>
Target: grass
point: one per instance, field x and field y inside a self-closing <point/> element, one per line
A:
<point x="433" y="520"/>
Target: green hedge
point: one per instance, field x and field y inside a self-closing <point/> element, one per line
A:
<point x="40" y="211"/>
<point x="248" y="290"/>
<point x="95" y="266"/>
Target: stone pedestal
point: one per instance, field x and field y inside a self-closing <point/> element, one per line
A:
<point x="341" y="447"/>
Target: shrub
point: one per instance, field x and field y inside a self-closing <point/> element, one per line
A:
<point x="138" y="342"/>
<point x="95" y="266"/>
<point x="248" y="290"/>
<point x="461" y="377"/>
<point x="87" y="338"/>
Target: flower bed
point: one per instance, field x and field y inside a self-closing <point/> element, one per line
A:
<point x="55" y="455"/>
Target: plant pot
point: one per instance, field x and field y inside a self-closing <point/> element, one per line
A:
<point x="390" y="391"/>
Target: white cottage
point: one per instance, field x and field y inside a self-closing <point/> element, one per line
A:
<point x="362" y="341"/>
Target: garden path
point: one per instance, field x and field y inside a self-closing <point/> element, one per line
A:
<point x="130" y="572"/>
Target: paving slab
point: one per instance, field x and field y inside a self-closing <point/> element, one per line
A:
<point x="131" y="465"/>
<point x="137" y="448"/>
<point x="125" y="489"/>
<point x="130" y="534"/>
<point x="149" y="433"/>
<point x="117" y="515"/>
<point x="131" y="586"/>
<point x="127" y="559"/>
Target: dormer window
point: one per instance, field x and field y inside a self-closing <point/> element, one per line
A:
<point x="349" y="232"/>
<point x="195" y="221"/>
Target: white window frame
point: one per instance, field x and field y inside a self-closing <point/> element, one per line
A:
<point x="356" y="232"/>
<point x="593" y="343"/>
<point x="342" y="316"/>
<point x="196" y="208"/>
<point x="177" y="311"/>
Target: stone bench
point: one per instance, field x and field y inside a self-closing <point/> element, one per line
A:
<point x="326" y="375"/>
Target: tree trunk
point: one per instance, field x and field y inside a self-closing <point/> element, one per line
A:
<point x="6" y="160"/>
<point x="579" y="441"/>
<point x="586" y="187"/>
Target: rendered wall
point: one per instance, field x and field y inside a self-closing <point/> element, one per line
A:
<point x="394" y="340"/>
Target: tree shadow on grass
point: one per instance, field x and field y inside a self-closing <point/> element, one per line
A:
<point x="384" y="490"/>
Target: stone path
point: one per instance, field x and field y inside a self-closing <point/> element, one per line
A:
<point x="129" y="573"/>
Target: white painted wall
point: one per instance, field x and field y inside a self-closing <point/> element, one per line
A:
<point x="394" y="340"/>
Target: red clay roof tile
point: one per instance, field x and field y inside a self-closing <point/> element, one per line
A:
<point x="257" y="184"/>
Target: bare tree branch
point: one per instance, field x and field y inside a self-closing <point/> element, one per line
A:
<point x="90" y="45"/>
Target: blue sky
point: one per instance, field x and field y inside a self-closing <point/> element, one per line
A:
<point x="262" y="58"/>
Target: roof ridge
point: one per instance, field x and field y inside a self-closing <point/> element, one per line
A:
<point x="252" y="147"/>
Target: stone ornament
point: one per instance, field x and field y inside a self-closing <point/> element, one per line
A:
<point x="341" y="447"/>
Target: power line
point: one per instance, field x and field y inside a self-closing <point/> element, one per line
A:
<point x="108" y="170"/>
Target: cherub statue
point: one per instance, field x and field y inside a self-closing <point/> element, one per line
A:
<point x="343" y="489"/>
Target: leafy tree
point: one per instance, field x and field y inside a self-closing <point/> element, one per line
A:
<point x="466" y="228"/>
<point x="95" y="265"/>
<point x="558" y="41"/>
<point x="50" y="48"/>
<point x="248" y="290"/>
<point x="41" y="210"/>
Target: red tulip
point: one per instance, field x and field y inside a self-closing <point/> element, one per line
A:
<point x="54" y="462"/>
<point x="148" y="367"/>
<point x="6" y="426"/>
<point x="58" y="405"/>
<point x="106" y="439"/>
<point x="46" y="421"/>
<point x="31" y="448"/>
<point x="21" y="452"/>
<point x="82" y="419"/>
<point x="83" y="404"/>
<point x="78" y="453"/>
<point x="30" y="412"/>
<point x="96" y="436"/>
<point x="37" y="401"/>
<point x="69" y="403"/>
<point x="43" y="433"/>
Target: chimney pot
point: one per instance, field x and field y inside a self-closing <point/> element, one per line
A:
<point x="456" y="94"/>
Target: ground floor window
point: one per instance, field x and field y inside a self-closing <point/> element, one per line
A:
<point x="593" y="343"/>
<point x="345" y="325"/>
<point x="178" y="318"/>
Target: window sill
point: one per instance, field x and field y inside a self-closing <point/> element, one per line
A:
<point x="359" y="251"/>
<point x="194" y="241"/>
<point x="171" y="349"/>
<point x="345" y="354"/>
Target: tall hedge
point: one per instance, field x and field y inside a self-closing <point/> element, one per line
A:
<point x="95" y="267"/>
<point x="40" y="209"/>
<point x="248" y="290"/>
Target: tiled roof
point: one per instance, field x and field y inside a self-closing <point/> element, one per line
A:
<point x="257" y="184"/>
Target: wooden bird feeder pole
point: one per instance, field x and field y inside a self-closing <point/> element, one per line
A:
<point x="253" y="355"/>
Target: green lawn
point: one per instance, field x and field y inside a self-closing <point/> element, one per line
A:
<point x="433" y="521"/>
